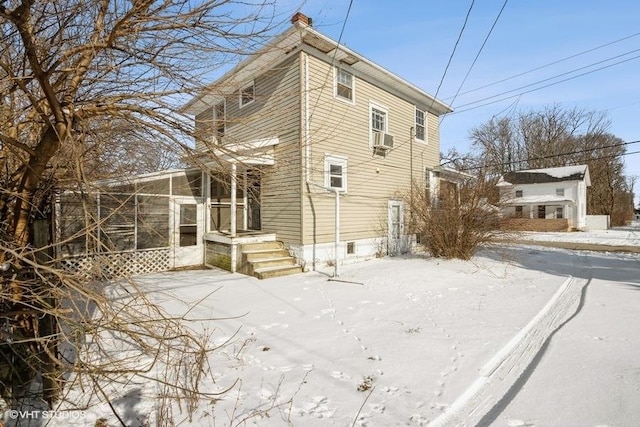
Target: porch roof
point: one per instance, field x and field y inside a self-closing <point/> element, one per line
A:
<point x="250" y="153"/>
<point x="539" y="200"/>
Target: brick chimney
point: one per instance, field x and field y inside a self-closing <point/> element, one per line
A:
<point x="301" y="19"/>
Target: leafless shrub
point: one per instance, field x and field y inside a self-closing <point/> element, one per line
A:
<point x="456" y="222"/>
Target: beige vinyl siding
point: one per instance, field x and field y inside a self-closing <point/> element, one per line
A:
<point x="274" y="113"/>
<point x="342" y="129"/>
<point x="204" y="129"/>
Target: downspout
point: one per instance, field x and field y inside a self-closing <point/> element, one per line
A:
<point x="307" y="165"/>
<point x="305" y="118"/>
<point x="337" y="233"/>
<point x="411" y="133"/>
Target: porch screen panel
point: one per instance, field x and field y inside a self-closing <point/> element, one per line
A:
<point x="117" y="222"/>
<point x="75" y="224"/>
<point x="156" y="186"/>
<point x="152" y="222"/>
<point x="189" y="184"/>
<point x="221" y="217"/>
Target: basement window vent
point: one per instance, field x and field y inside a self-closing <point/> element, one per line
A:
<point x="351" y="248"/>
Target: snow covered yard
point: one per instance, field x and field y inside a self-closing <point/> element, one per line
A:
<point x="394" y="342"/>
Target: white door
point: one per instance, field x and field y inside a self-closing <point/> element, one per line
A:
<point x="188" y="230"/>
<point x="396" y="228"/>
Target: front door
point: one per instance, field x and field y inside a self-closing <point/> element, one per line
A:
<point x="187" y="236"/>
<point x="396" y="228"/>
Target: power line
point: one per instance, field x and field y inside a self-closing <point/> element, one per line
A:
<point x="455" y="47"/>
<point x="479" y="52"/>
<point x="547" y="65"/>
<point x="548" y="85"/>
<point x="550" y="156"/>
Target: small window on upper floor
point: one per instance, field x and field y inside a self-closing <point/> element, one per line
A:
<point x="421" y="125"/>
<point x="247" y="94"/>
<point x="560" y="192"/>
<point x="344" y="84"/>
<point x="518" y="193"/>
<point x="378" y="119"/>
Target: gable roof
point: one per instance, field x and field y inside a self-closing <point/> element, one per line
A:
<point x="301" y="36"/>
<point x="547" y="175"/>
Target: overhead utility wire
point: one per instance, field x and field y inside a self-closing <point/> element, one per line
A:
<point x="455" y="47"/>
<point x="479" y="52"/>
<point x="546" y="65"/>
<point x="544" y="80"/>
<point x="550" y="156"/>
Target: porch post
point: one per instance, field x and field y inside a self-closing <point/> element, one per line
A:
<point x="245" y="199"/>
<point x="234" y="202"/>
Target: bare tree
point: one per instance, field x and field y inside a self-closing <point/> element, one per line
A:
<point x="89" y="89"/>
<point x="553" y="137"/>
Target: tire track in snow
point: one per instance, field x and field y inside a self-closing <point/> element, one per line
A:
<point x="500" y="377"/>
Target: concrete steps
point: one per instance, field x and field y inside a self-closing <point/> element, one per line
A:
<point x="268" y="259"/>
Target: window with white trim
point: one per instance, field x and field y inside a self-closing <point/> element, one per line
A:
<point x="560" y="192"/>
<point x="421" y="125"/>
<point x="518" y="193"/>
<point x="247" y="94"/>
<point x="378" y="119"/>
<point x="344" y="84"/>
<point x="351" y="248"/>
<point x="335" y="173"/>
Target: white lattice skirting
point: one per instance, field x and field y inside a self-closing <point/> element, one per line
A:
<point x="118" y="264"/>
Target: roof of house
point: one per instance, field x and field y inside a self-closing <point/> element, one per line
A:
<point x="538" y="200"/>
<point x="301" y="36"/>
<point x="547" y="175"/>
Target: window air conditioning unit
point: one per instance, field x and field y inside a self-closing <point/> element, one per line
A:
<point x="382" y="140"/>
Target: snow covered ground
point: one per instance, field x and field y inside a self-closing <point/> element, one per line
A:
<point x="621" y="236"/>
<point x="392" y="341"/>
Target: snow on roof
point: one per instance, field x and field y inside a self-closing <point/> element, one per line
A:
<point x="546" y="175"/>
<point x="559" y="172"/>
<point x="539" y="200"/>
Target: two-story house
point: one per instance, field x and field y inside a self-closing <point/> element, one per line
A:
<point x="541" y="195"/>
<point x="311" y="144"/>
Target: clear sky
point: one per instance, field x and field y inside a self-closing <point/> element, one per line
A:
<point x="415" y="39"/>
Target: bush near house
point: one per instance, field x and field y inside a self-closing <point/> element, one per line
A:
<point x="456" y="222"/>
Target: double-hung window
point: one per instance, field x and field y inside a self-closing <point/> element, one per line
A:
<point x="421" y="125"/>
<point x="560" y="192"/>
<point x="378" y="119"/>
<point x="344" y="84"/>
<point x="335" y="173"/>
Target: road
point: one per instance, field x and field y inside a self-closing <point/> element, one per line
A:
<point x="588" y="372"/>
